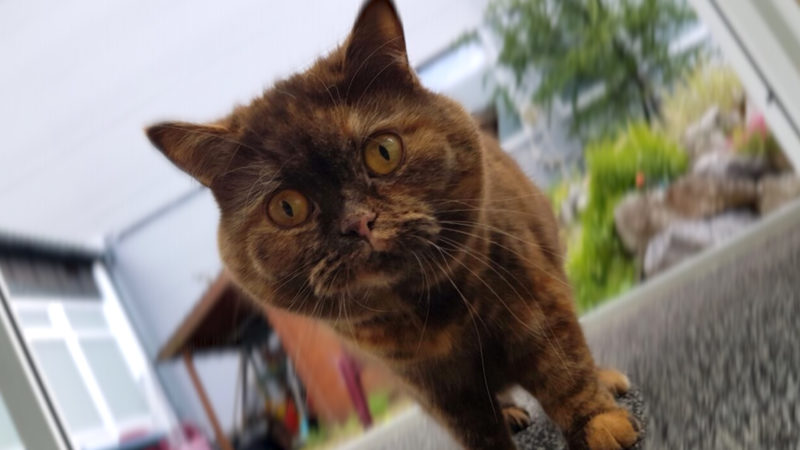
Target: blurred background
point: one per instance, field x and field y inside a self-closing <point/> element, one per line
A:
<point x="662" y="130"/>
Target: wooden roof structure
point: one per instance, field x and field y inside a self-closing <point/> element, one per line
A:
<point x="223" y="319"/>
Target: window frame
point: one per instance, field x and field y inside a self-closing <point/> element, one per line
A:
<point x="159" y="418"/>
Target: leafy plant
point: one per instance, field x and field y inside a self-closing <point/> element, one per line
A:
<point x="616" y="53"/>
<point x="597" y="264"/>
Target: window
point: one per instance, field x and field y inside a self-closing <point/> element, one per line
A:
<point x="73" y="333"/>
<point x="454" y="66"/>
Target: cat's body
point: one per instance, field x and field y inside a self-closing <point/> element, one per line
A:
<point x="352" y="194"/>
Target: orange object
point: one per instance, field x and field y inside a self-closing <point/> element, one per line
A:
<point x="640" y="180"/>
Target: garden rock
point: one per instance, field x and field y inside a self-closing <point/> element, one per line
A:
<point x="776" y="190"/>
<point x="639" y="216"/>
<point x="725" y="163"/>
<point x="709" y="133"/>
<point x="684" y="238"/>
<point x="694" y="196"/>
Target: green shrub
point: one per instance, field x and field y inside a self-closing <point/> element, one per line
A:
<point x="597" y="263"/>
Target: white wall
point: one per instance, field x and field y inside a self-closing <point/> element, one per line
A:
<point x="162" y="268"/>
<point x="80" y="79"/>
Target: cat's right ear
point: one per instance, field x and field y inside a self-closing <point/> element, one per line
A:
<point x="376" y="48"/>
<point x="202" y="151"/>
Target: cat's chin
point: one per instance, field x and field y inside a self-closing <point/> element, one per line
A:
<point x="368" y="279"/>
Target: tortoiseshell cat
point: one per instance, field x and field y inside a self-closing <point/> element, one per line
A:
<point x="352" y="194"/>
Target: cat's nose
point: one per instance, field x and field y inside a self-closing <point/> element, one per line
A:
<point x="359" y="224"/>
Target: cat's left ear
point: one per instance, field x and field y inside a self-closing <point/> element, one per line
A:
<point x="202" y="151"/>
<point x="376" y="49"/>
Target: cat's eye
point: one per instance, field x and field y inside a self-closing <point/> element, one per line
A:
<point x="288" y="208"/>
<point x="383" y="153"/>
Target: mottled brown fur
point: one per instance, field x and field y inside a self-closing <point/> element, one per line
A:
<point x="466" y="295"/>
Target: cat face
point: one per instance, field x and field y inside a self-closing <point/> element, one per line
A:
<point x="344" y="180"/>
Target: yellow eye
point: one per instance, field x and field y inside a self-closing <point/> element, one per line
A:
<point x="383" y="153"/>
<point x="288" y="208"/>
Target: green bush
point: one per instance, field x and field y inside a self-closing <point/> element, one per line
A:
<point x="597" y="263"/>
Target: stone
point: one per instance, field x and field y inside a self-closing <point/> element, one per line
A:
<point x="775" y="191"/>
<point x="684" y="238"/>
<point x="639" y="216"/>
<point x="696" y="196"/>
<point x="725" y="163"/>
<point x="710" y="132"/>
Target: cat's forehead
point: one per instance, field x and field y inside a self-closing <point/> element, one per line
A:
<point x="296" y="116"/>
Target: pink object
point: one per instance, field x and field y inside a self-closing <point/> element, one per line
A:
<point x="351" y="374"/>
<point x="188" y="437"/>
<point x="759" y="124"/>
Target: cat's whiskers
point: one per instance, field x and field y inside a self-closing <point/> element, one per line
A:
<point x="426" y="288"/>
<point x="284" y="92"/>
<point x="505" y="233"/>
<point x="547" y="333"/>
<point x="471" y="314"/>
<point x="292" y="275"/>
<point x="304" y="291"/>
<point x="470" y="252"/>
<point x="499" y="298"/>
<point x="368" y="307"/>
<point x="494" y="199"/>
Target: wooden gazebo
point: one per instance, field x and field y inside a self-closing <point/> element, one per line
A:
<point x="225" y="319"/>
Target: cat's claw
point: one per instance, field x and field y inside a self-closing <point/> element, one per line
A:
<point x="517" y="418"/>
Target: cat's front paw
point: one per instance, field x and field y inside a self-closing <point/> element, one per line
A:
<point x="611" y="430"/>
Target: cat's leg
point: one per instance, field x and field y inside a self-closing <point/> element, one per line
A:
<point x="575" y="394"/>
<point x="471" y="415"/>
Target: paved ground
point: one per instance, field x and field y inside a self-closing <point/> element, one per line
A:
<point x="713" y="348"/>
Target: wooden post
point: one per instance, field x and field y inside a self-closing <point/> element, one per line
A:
<point x="222" y="440"/>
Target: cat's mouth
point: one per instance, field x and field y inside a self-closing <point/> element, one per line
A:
<point x="382" y="259"/>
<point x="365" y="267"/>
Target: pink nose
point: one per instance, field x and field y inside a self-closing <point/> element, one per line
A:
<point x="359" y="224"/>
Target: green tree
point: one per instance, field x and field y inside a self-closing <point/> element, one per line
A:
<point x="617" y="49"/>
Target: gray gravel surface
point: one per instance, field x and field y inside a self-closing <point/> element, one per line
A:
<point x="717" y="358"/>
